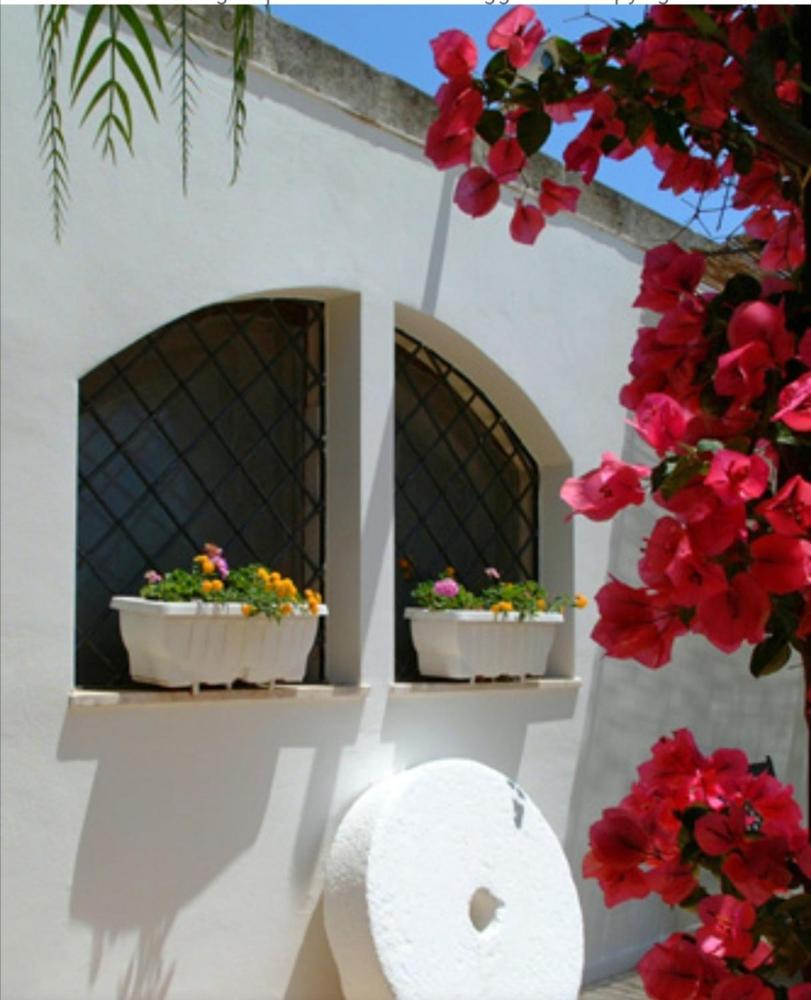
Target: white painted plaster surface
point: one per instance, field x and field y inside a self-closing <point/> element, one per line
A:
<point x="175" y="853"/>
<point x="446" y="883"/>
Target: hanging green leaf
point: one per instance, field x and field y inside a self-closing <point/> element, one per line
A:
<point x="91" y="20"/>
<point x="185" y="83"/>
<point x="132" y="65"/>
<point x="52" y="26"/>
<point x="131" y="17"/>
<point x="243" y="29"/>
<point x="769" y="656"/>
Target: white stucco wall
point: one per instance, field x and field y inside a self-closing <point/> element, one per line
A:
<point x="174" y="851"/>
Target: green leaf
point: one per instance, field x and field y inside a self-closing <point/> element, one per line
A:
<point x="158" y="21"/>
<point x="667" y="127"/>
<point x="91" y="64"/>
<point x="132" y="65"/>
<point x="609" y="143"/>
<point x="491" y="126"/>
<point x="90" y="22"/>
<point x="132" y="19"/>
<point x="769" y="656"/>
<point x="500" y="67"/>
<point x="743" y="159"/>
<point x="125" y="105"/>
<point x="95" y="99"/>
<point x="533" y="130"/>
<point x="705" y="24"/>
<point x="710" y="444"/>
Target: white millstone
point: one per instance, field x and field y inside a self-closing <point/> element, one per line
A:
<point x="445" y="882"/>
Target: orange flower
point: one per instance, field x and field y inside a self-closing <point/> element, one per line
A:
<point x="286" y="609"/>
<point x="580" y="601"/>
<point x="541" y="604"/>
<point x="248" y="610"/>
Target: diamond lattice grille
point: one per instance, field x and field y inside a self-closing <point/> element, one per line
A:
<point x="466" y="487"/>
<point x="209" y="429"/>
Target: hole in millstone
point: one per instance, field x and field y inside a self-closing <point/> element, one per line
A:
<point x="484" y="907"/>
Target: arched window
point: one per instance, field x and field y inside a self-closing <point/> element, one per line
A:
<point x="209" y="429"/>
<point x="466" y="487"/>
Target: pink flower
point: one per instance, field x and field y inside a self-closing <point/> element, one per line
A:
<point x="781" y="563"/>
<point x="668" y="273"/>
<point x="636" y="624"/>
<point x="599" y="494"/>
<point x="761" y="321"/>
<point x="558" y="197"/>
<point x="152" y="576"/>
<point x="794" y="404"/>
<point x="519" y="32"/>
<point x="661" y="421"/>
<point x="214" y="553"/>
<point x="741" y="373"/>
<point x="743" y="988"/>
<point x="446" y="587"/>
<point x="677" y="969"/>
<point x="493" y="573"/>
<point x="454" y="53"/>
<point x="735" y="477"/>
<point x="734" y="615"/>
<point x="727" y="923"/>
<point x="527" y="222"/>
<point x="506" y="159"/>
<point x="789" y="510"/>
<point x="758" y="869"/>
<point x="477" y="192"/>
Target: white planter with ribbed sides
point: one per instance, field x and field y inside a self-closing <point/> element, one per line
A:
<point x="185" y="644"/>
<point x="464" y="645"/>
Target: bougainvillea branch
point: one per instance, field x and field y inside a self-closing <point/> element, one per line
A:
<point x="719" y="388"/>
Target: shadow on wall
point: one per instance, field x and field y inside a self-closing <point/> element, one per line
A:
<point x="180" y="793"/>
<point x="630" y="707"/>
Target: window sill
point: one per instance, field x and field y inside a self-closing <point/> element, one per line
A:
<point x="541" y="685"/>
<point x="281" y="692"/>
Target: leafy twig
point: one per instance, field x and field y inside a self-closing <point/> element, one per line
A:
<point x="243" y="28"/>
<point x="184" y="83"/>
<point x="52" y="24"/>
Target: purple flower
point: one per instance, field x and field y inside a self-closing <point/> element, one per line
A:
<point x="152" y="576"/>
<point x="446" y="587"/>
<point x="493" y="573"/>
<point x="214" y="553"/>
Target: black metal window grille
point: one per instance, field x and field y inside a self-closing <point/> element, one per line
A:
<point x="466" y="491"/>
<point x="208" y="429"/>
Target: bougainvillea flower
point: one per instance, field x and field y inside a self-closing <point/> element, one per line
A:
<point x="600" y="493"/>
<point x="804" y="350"/>
<point x="773" y="805"/>
<point x="726" y="770"/>
<point x="519" y="32"/>
<point x="741" y="373"/>
<point x="800" y="992"/>
<point x="726" y="925"/>
<point x="672" y="881"/>
<point x="735" y="615"/>
<point x="448" y="144"/>
<point x="582" y="157"/>
<point x="737" y="987"/>
<point x="780" y="563"/>
<point x="446" y="587"/>
<point x="758" y="869"/>
<point x="675" y="766"/>
<point x="762" y="321"/>
<point x="526" y="224"/>
<point x="558" y="197"/>
<point x="454" y="53"/>
<point x="636" y="624"/>
<point x="506" y="159"/>
<point x="712" y="525"/>
<point x="477" y="192"/>
<point x="618" y="884"/>
<point x="618" y="839"/>
<point x="677" y="969"/>
<point x="786" y="247"/>
<point x="460" y="103"/>
<point x="668" y="273"/>
<point x="789" y="510"/>
<point x="661" y="421"/>
<point x="718" y="833"/>
<point x="660" y="551"/>
<point x="794" y="404"/>
<point x="733" y="476"/>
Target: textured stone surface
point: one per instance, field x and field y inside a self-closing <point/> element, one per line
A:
<point x="446" y="883"/>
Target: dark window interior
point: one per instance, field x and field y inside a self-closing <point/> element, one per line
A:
<point x="209" y="429"/>
<point x="466" y="487"/>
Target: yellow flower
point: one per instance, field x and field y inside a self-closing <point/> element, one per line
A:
<point x="248" y="610"/>
<point x="541" y="604"/>
<point x="449" y="571"/>
<point x="506" y="606"/>
<point x="580" y="601"/>
<point x="313" y="606"/>
<point x="286" y="609"/>
<point x="263" y="575"/>
<point x="501" y="607"/>
<point x="215" y="585"/>
<point x="207" y="567"/>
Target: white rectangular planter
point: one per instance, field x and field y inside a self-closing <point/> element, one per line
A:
<point x="464" y="645"/>
<point x="185" y="644"/>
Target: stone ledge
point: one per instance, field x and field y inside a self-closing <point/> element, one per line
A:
<point x="280" y="692"/>
<point x="540" y="684"/>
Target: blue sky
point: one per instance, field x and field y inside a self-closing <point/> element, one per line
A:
<point x="395" y="38"/>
